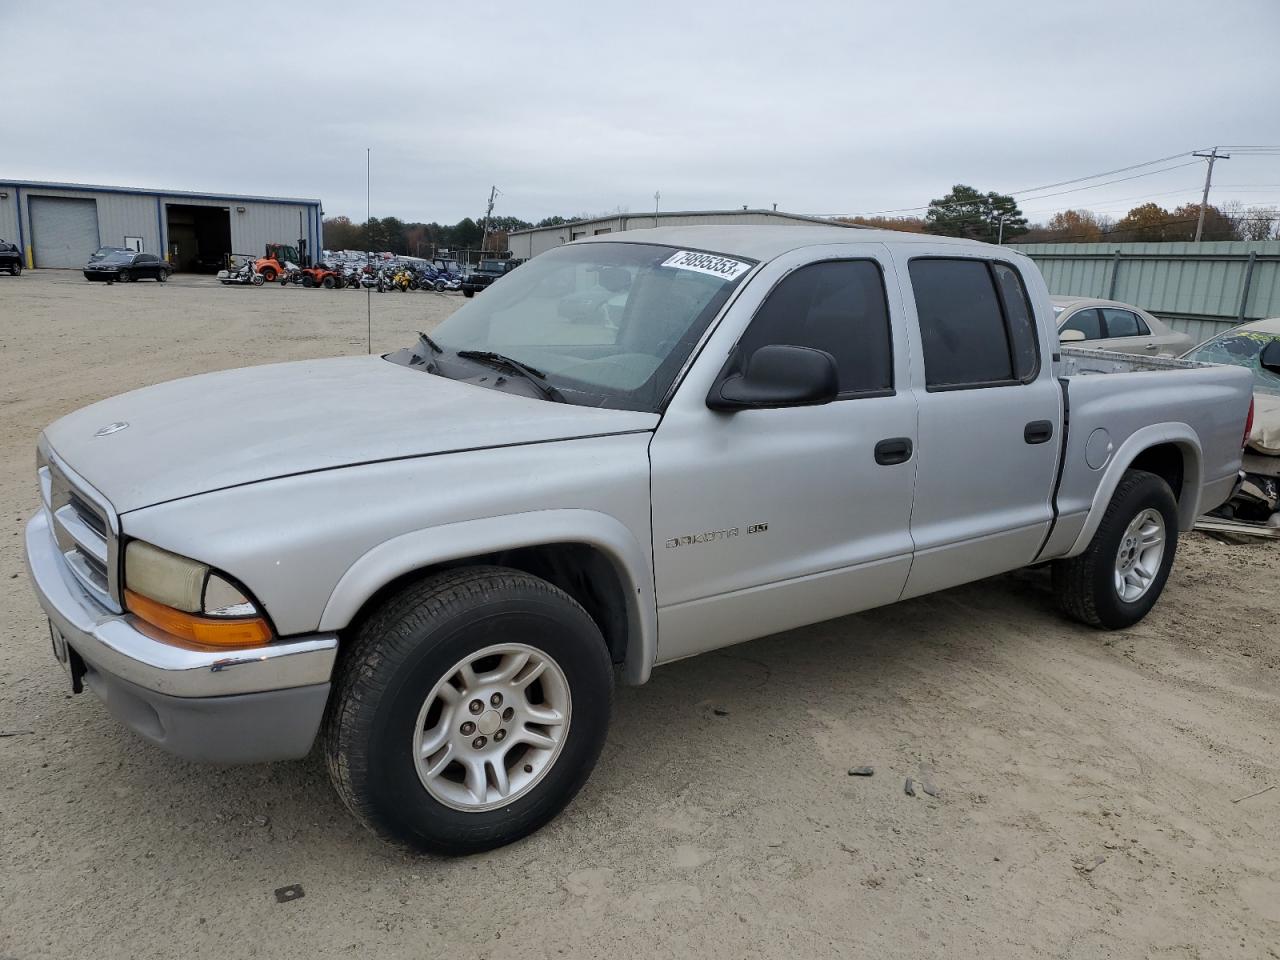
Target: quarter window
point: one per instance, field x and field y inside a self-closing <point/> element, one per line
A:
<point x="838" y="306"/>
<point x="976" y="324"/>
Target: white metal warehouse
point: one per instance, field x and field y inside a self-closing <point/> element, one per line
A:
<point x="529" y="243"/>
<point x="61" y="224"/>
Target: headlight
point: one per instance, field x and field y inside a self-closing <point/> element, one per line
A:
<point x="190" y="601"/>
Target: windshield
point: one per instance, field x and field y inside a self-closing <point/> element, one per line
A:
<point x="107" y="251"/>
<point x="609" y="324"/>
<point x="117" y="256"/>
<point x="495" y="266"/>
<point x="1242" y="348"/>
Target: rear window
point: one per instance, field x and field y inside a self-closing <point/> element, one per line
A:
<point x="976" y="324"/>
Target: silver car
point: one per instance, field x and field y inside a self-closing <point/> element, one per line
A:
<point x="1120" y="327"/>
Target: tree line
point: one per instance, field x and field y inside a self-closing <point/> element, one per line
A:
<point x="994" y="217"/>
<point x="393" y="235"/>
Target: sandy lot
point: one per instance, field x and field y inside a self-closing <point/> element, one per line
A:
<point x="1086" y="780"/>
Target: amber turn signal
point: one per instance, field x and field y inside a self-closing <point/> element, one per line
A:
<point x="232" y="633"/>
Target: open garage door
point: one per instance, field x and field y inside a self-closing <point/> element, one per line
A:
<point x="64" y="231"/>
<point x="199" y="237"/>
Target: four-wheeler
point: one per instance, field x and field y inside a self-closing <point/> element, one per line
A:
<point x="320" y="275"/>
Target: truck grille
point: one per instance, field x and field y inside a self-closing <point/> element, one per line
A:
<point x="84" y="526"/>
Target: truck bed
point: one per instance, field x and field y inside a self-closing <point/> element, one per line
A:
<point x="1117" y="403"/>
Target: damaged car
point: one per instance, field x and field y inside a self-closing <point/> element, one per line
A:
<point x="1255" y="506"/>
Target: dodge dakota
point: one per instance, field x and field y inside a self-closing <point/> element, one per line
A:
<point x="634" y="449"/>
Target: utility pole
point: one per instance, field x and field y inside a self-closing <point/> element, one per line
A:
<point x="484" y="235"/>
<point x="368" y="254"/>
<point x="1211" y="156"/>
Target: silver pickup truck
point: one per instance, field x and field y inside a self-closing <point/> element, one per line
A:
<point x="631" y="450"/>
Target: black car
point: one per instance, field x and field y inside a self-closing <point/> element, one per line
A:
<point x="127" y="266"/>
<point x="485" y="273"/>
<point x="10" y="257"/>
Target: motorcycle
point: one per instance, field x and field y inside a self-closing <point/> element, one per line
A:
<point x="242" y="275"/>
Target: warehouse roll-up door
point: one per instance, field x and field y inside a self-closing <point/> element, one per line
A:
<point x="64" y="231"/>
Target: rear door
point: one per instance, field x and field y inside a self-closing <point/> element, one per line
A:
<point x="990" y="411"/>
<point x="767" y="519"/>
<point x="1127" y="332"/>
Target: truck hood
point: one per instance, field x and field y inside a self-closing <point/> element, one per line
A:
<point x="224" y="429"/>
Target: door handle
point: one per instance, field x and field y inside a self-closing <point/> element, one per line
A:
<point x="1038" y="431"/>
<point x="894" y="450"/>
<point x="1153" y="346"/>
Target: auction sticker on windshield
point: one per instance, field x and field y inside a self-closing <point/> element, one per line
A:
<point x="709" y="263"/>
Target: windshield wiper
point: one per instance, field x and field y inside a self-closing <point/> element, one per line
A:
<point x="532" y="374"/>
<point x="435" y="347"/>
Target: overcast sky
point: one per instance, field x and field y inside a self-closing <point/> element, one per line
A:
<point x="587" y="107"/>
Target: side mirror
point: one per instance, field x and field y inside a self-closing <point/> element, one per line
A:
<point x="1071" y="336"/>
<point x="779" y="375"/>
<point x="1269" y="359"/>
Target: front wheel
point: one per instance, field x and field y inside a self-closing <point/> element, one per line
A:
<point x="258" y="280"/>
<point x="125" y="276"/>
<point x="468" y="293"/>
<point x="470" y="711"/>
<point x="268" y="274"/>
<point x="327" y="283"/>
<point x="1116" y="581"/>
<point x="15" y="270"/>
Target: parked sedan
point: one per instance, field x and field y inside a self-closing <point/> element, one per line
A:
<point x="10" y="257"/>
<point x="1121" y="327"/>
<point x="126" y="266"/>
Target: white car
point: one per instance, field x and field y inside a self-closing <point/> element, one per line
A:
<point x="1121" y="327"/>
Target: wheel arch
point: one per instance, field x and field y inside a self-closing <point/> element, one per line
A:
<point x="591" y="556"/>
<point x="1170" y="451"/>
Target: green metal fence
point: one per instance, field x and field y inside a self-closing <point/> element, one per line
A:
<point x="1200" y="288"/>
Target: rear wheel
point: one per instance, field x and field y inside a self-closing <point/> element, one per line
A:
<point x="162" y="276"/>
<point x="471" y="709"/>
<point x="1116" y="581"/>
<point x="307" y="280"/>
<point x="328" y="283"/>
<point x="468" y="293"/>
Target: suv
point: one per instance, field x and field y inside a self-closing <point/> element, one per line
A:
<point x="629" y="452"/>
<point x="10" y="258"/>
<point x="485" y="273"/>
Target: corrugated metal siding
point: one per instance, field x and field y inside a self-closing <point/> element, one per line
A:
<point x="1197" y="287"/>
<point x="128" y="214"/>
<point x="9" y="215"/>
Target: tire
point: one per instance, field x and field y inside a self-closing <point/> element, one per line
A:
<point x="15" y="270"/>
<point x="414" y="645"/>
<point x="258" y="280"/>
<point x="268" y="274"/>
<point x="1089" y="586"/>
<point x="307" y="281"/>
<point x="125" y="277"/>
<point x="163" y="276"/>
<point x="468" y="293"/>
<point x="327" y="283"/>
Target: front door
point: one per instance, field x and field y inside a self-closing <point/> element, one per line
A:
<point x="767" y="519"/>
<point x="990" y="413"/>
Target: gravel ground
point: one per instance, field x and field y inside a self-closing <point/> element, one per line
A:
<point x="1085" y="781"/>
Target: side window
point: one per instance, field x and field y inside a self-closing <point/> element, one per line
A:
<point x="1087" y="322"/>
<point x="838" y="306"/>
<point x="1123" y="323"/>
<point x="962" y="326"/>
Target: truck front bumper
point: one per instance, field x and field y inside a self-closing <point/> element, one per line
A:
<point x="240" y="706"/>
